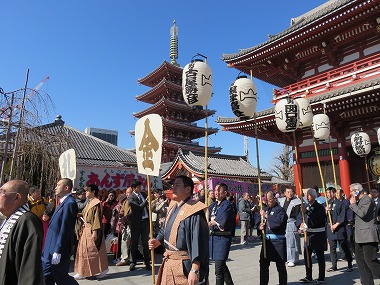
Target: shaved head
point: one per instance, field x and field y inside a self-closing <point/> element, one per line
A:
<point x="13" y="195"/>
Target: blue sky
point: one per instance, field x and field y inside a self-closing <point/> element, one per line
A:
<point x="94" y="52"/>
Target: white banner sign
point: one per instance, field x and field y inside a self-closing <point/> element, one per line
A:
<point x="148" y="139"/>
<point x="67" y="164"/>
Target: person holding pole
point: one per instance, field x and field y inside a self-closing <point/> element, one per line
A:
<point x="292" y="206"/>
<point x="185" y="235"/>
<point x="315" y="227"/>
<point x="274" y="224"/>
<point x="221" y="223"/>
<point x="336" y="232"/>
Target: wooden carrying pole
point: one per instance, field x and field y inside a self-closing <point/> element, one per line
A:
<point x="322" y="179"/>
<point x="302" y="202"/>
<point x="206" y="159"/>
<point x="151" y="228"/>
<point x="333" y="165"/>
<point x="332" y="156"/>
<point x="259" y="184"/>
<point x="367" y="171"/>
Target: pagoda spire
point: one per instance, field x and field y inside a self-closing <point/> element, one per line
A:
<point x="174" y="44"/>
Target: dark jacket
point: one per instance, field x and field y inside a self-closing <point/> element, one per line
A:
<point x="315" y="218"/>
<point x="365" y="215"/>
<point x="338" y="215"/>
<point x="220" y="238"/>
<point x="244" y="210"/>
<point x="137" y="209"/>
<point x="275" y="227"/>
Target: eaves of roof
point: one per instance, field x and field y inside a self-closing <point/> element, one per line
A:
<point x="309" y="18"/>
<point x="164" y="102"/>
<point x="164" y="66"/>
<point x="162" y="86"/>
<point x="220" y="165"/>
<point x="89" y="148"/>
<point x="326" y="97"/>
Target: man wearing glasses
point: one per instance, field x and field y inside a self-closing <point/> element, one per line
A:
<point x="21" y="237"/>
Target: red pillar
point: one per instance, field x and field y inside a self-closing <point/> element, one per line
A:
<point x="344" y="168"/>
<point x="298" y="178"/>
<point x="297" y="173"/>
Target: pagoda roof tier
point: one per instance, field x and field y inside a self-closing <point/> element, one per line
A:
<point x="196" y="131"/>
<point x="190" y="146"/>
<point x="219" y="165"/>
<point x="162" y="89"/>
<point x="165" y="70"/>
<point x="165" y="104"/>
<point x="188" y="127"/>
<point x="349" y="108"/>
<point x="325" y="34"/>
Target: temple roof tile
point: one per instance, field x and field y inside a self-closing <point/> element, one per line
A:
<point x="299" y="22"/>
<point x="164" y="69"/>
<point x="219" y="165"/>
<point x="159" y="89"/>
<point x="166" y="103"/>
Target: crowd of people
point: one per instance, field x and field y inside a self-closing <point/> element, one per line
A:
<point x="74" y="225"/>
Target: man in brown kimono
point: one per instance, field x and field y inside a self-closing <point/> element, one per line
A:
<point x="185" y="236"/>
<point x="91" y="256"/>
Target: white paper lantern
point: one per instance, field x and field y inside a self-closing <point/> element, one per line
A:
<point x="305" y="112"/>
<point x="197" y="83"/>
<point x="287" y="115"/>
<point x="321" y="126"/>
<point x="361" y="144"/>
<point x="243" y="97"/>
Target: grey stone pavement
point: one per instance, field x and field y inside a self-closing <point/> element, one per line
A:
<point x="244" y="267"/>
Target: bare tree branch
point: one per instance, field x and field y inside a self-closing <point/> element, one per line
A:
<point x="283" y="164"/>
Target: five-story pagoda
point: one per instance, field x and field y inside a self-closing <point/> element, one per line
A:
<point x="165" y="97"/>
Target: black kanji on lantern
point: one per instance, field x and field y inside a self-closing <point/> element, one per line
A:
<point x="191" y="88"/>
<point x="291" y="116"/>
<point x="234" y="101"/>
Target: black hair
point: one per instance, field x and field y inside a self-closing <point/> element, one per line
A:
<point x="135" y="183"/>
<point x="187" y="182"/>
<point x="332" y="189"/>
<point x="223" y="185"/>
<point x="93" y="188"/>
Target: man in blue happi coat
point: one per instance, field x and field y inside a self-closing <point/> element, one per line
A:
<point x="336" y="232"/>
<point x="315" y="227"/>
<point x="221" y="223"/>
<point x="274" y="225"/>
